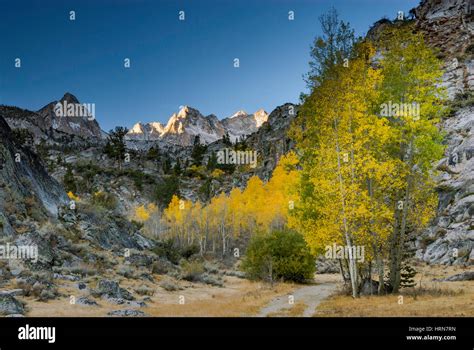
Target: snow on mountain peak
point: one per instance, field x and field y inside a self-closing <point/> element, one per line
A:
<point x="237" y="114"/>
<point x="137" y="128"/>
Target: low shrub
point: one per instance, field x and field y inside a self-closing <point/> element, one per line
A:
<point x="192" y="270"/>
<point x="104" y="200"/>
<point x="279" y="255"/>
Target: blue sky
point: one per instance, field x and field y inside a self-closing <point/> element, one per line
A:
<point x="173" y="62"/>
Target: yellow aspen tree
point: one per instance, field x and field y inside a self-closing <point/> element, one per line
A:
<point x="412" y="87"/>
<point x="339" y="161"/>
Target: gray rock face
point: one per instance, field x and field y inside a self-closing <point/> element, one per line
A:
<point x="449" y="26"/>
<point x="450" y="240"/>
<point x="24" y="183"/>
<point x="271" y="140"/>
<point x="108" y="231"/>
<point x="10" y="306"/>
<point x="43" y="242"/>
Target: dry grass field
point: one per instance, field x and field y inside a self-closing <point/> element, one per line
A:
<point x="241" y="297"/>
<point x="238" y="298"/>
<point x="427" y="298"/>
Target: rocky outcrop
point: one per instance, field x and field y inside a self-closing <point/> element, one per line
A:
<point x="450" y="240"/>
<point x="26" y="189"/>
<point x="449" y="26"/>
<point x="72" y="117"/>
<point x="271" y="141"/>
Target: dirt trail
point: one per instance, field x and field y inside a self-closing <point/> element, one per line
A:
<point x="310" y="296"/>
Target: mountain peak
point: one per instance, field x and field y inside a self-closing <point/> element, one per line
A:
<point x="186" y="111"/>
<point x="240" y="113"/>
<point x="260" y="116"/>
<point x="70" y="98"/>
<point x="137" y="128"/>
<point x="80" y="120"/>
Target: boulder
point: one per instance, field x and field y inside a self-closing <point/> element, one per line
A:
<point x="111" y="289"/>
<point x="465" y="276"/>
<point x="86" y="301"/>
<point x="127" y="313"/>
<point x="10" y="306"/>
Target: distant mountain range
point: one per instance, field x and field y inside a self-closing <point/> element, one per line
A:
<point x="180" y="130"/>
<point x="183" y="126"/>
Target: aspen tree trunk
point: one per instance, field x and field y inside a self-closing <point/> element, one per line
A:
<point x="393" y="242"/>
<point x="207" y="235"/>
<point x="343" y="274"/>
<point x="398" y="239"/>
<point x="380" y="270"/>
<point x="400" y="246"/>
<point x="223" y="245"/>
<point x="352" y="263"/>
<point x="377" y="249"/>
